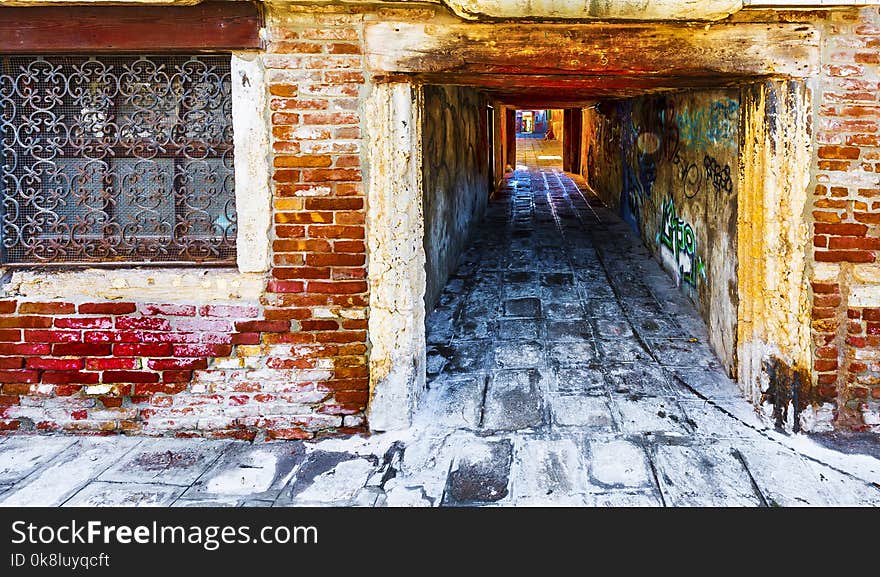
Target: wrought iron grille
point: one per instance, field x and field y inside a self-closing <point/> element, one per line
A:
<point x="120" y="159"/>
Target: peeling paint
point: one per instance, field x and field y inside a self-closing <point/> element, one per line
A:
<point x="774" y="315"/>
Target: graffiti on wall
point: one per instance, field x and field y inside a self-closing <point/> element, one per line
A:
<point x="649" y="138"/>
<point x="655" y="133"/>
<point x="715" y="125"/>
<point x="718" y="175"/>
<point x="692" y="178"/>
<point x="678" y="238"/>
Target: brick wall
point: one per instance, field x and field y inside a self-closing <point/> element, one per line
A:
<point x="121" y="366"/>
<point x="294" y="364"/>
<point x="290" y="366"/>
<point x="846" y="221"/>
<point x="315" y="75"/>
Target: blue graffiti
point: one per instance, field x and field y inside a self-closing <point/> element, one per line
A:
<point x="717" y="124"/>
<point x="677" y="236"/>
<point x="643" y="143"/>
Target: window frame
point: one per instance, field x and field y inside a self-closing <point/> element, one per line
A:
<point x="227" y="242"/>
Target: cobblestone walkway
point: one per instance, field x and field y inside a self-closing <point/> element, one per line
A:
<point x="564" y="368"/>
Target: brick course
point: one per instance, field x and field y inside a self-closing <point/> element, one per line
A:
<point x="846" y="219"/>
<point x="152" y="366"/>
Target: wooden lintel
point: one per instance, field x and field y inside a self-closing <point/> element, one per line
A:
<point x="747" y="49"/>
<point x="206" y="26"/>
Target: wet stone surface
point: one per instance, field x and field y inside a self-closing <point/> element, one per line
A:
<point x="564" y="368"/>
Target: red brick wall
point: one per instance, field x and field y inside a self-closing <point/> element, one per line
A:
<point x="846" y="220"/>
<point x="293" y="365"/>
<point x="316" y="78"/>
<point x="116" y="366"/>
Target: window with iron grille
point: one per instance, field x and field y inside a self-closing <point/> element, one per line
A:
<point x="118" y="159"/>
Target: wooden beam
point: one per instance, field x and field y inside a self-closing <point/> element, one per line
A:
<point x="206" y="26"/>
<point x="566" y="91"/>
<point x="747" y="49"/>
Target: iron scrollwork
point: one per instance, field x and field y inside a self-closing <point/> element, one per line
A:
<point x="116" y="160"/>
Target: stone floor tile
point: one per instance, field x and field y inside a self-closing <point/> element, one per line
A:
<point x="102" y="494"/>
<point x="548" y="473"/>
<point x="514" y="400"/>
<point x="166" y="461"/>
<point x="256" y="471"/>
<point x="703" y="475"/>
<point x="73" y="468"/>
<point x="20" y="456"/>
<point x="480" y="475"/>
<point x="587" y="411"/>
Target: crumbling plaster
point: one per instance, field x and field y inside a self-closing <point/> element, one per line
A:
<point x="395" y="229"/>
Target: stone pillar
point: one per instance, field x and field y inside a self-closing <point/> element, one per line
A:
<point x="774" y="314"/>
<point x="395" y="231"/>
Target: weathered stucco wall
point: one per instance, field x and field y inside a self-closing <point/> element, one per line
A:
<point x="280" y="346"/>
<point x="669" y="164"/>
<point x="395" y="229"/>
<point x="456" y="178"/>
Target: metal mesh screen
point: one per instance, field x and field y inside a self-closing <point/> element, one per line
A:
<point x="116" y="160"/>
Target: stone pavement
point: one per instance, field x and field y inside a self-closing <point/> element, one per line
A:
<point x="564" y="369"/>
<point x="538" y="153"/>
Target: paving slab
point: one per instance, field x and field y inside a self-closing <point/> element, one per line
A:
<point x="102" y="494"/>
<point x="702" y="476"/>
<point x="514" y="400"/>
<point x="613" y="328"/>
<point x="456" y="401"/>
<point x="328" y="478"/>
<point x="622" y="350"/>
<point x="708" y="418"/>
<point x="569" y="331"/>
<point x="257" y="471"/>
<point x="619" y="464"/>
<point x="523" y="307"/>
<point x="708" y="383"/>
<point x="844" y="489"/>
<point x="519" y="329"/>
<point x="575" y="354"/>
<point x="440" y="325"/>
<point x="624" y="499"/>
<point x="548" y="473"/>
<point x="563" y="310"/>
<point x="166" y="461"/>
<point x="73" y="468"/>
<point x="21" y="456"/>
<point x="638" y="378"/>
<point x="649" y="414"/>
<point x="590" y="411"/>
<point x="654" y="326"/>
<point x="470" y="357"/>
<point x="518" y="354"/>
<point x="399" y="493"/>
<point x="782" y="476"/>
<point x="480" y="475"/>
<point x="582" y="380"/>
<point x="683" y="353"/>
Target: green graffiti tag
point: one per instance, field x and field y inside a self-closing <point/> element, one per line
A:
<point x="678" y="237"/>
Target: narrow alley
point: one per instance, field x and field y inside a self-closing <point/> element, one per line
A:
<point x="564" y="369"/>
